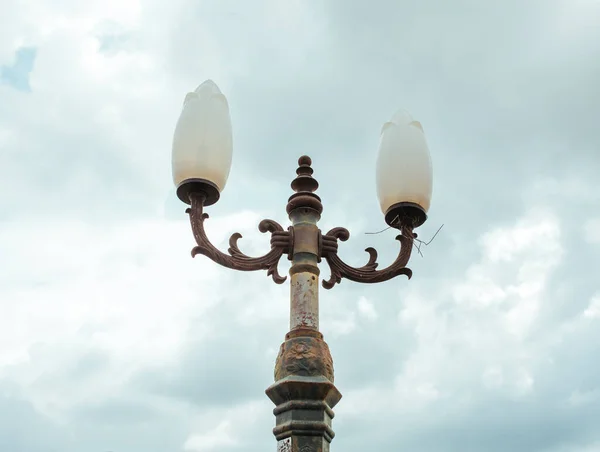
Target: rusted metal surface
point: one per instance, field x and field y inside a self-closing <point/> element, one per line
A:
<point x="306" y="233"/>
<point x="304" y="185"/>
<point x="304" y="353"/>
<point x="280" y="243"/>
<point x="367" y="273"/>
<point x="207" y="188"/>
<point x="303" y="392"/>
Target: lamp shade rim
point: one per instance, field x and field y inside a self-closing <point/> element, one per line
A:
<point x="196" y="185"/>
<point x="405" y="213"/>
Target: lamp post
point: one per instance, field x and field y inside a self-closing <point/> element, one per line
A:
<point x="303" y="392"/>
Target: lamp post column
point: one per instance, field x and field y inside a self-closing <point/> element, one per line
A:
<point x="303" y="392"/>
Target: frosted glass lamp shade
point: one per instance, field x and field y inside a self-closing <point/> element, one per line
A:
<point x="404" y="174"/>
<point x="202" y="144"/>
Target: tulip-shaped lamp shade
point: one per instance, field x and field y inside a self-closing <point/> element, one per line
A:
<point x="404" y="175"/>
<point x="202" y="144"/>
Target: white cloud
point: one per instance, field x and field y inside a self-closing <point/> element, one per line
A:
<point x="129" y="292"/>
<point x="221" y="435"/>
<point x="343" y="324"/>
<point x="468" y="328"/>
<point x="593" y="310"/>
<point x="229" y="427"/>
<point x="367" y="309"/>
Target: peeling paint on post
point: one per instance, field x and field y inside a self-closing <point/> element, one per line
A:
<point x="304" y="309"/>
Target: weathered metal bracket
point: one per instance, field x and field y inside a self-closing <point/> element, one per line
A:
<point x="367" y="273"/>
<point x="281" y="242"/>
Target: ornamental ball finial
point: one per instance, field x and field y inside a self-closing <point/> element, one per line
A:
<point x="304" y="160"/>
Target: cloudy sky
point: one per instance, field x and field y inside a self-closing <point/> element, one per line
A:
<point x="113" y="339"/>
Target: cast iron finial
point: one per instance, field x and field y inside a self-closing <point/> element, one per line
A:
<point x="304" y="185"/>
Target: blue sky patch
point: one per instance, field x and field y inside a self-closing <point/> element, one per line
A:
<point x="17" y="75"/>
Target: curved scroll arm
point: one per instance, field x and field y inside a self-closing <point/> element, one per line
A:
<point x="280" y="244"/>
<point x="367" y="273"/>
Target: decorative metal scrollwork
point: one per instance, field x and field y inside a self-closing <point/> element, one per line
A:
<point x="236" y="259"/>
<point x="282" y="241"/>
<point x="367" y="273"/>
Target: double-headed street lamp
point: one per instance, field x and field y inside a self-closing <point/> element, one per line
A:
<point x="303" y="392"/>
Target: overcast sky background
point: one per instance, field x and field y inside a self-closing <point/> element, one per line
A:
<point x="113" y="339"/>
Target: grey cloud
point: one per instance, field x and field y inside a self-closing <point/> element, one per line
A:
<point x="118" y="410"/>
<point x="134" y="426"/>
<point x="24" y="429"/>
<point x="239" y="373"/>
<point x="505" y="99"/>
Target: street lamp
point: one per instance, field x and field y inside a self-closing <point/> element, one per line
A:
<point x="304" y="391"/>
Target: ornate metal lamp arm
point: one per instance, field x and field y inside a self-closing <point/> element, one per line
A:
<point x="280" y="243"/>
<point x="367" y="273"/>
